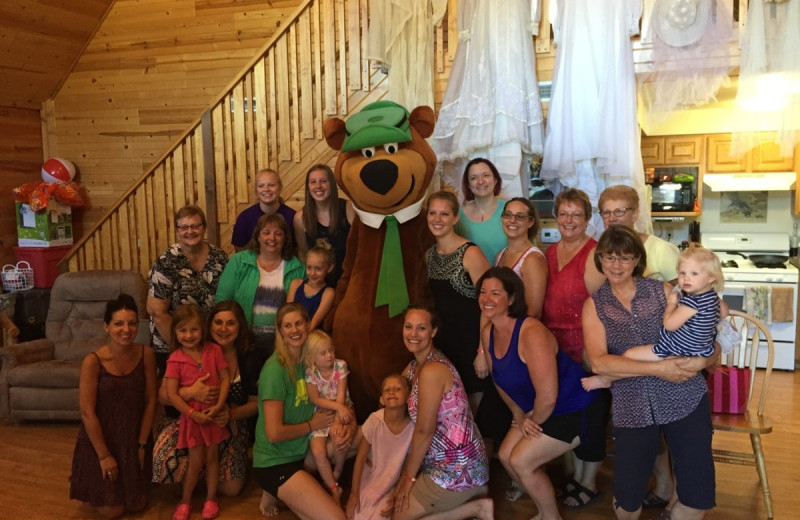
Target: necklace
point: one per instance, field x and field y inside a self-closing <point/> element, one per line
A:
<point x="565" y="254"/>
<point x="487" y="211"/>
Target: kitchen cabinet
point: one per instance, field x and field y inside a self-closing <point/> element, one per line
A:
<point x="763" y="158"/>
<point x="672" y="150"/>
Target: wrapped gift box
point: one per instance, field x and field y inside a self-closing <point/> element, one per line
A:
<point x="51" y="227"/>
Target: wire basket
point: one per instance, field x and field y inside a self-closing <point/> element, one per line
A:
<point x="17" y="277"/>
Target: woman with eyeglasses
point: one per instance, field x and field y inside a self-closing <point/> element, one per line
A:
<point x="619" y="206"/>
<point x="521" y="226"/>
<point x="571" y="278"/>
<point x="480" y="217"/>
<point x="187" y="272"/>
<point x="648" y="399"/>
<point x="454" y="265"/>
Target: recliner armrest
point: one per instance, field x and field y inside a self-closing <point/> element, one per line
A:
<point x="28" y="352"/>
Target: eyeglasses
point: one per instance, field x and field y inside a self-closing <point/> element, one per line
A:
<point x="610" y="259"/>
<point x="567" y="216"/>
<point x="193" y="227"/>
<point x="521" y="217"/>
<point x="619" y="212"/>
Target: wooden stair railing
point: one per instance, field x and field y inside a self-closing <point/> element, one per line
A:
<point x="269" y="117"/>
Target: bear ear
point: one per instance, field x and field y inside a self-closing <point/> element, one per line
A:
<point x="423" y="120"/>
<point x="334" y="131"/>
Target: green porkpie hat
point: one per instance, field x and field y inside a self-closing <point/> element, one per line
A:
<point x="378" y="123"/>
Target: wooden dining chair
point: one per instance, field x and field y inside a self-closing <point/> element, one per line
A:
<point x="756" y="349"/>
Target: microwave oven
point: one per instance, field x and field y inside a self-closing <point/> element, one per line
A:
<point x="673" y="189"/>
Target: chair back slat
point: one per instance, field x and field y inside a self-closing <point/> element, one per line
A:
<point x="756" y="351"/>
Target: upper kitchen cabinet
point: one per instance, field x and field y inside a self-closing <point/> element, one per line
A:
<point x="672" y="150"/>
<point x="763" y="158"/>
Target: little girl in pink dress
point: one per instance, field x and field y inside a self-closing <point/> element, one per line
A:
<point x="381" y="453"/>
<point x="192" y="357"/>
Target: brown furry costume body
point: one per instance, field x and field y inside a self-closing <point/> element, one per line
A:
<point x="379" y="180"/>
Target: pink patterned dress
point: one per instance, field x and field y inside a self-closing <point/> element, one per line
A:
<point x="186" y="370"/>
<point x="328" y="388"/>
<point x="456" y="459"/>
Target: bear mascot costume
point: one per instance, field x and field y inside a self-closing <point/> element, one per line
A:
<point x="385" y="167"/>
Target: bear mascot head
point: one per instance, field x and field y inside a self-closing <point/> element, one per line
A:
<point x="385" y="167"/>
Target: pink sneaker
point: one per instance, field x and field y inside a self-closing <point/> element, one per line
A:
<point x="210" y="510"/>
<point x="182" y="512"/>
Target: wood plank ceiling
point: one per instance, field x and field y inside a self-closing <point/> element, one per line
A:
<point x="40" y="40"/>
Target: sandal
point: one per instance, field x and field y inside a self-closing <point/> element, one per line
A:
<point x="582" y="496"/>
<point x="654" y="501"/>
<point x="182" y="512"/>
<point x="567" y="489"/>
<point x="664" y="514"/>
<point x="514" y="491"/>
<point x="210" y="510"/>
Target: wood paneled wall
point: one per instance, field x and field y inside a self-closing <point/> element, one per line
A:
<point x="20" y="162"/>
<point x="152" y="67"/>
<point x="41" y="40"/>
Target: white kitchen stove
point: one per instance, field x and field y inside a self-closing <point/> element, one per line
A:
<point x="740" y="273"/>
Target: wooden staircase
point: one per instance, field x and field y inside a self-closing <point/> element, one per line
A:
<point x="269" y="117"/>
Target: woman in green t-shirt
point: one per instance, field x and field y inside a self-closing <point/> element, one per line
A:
<point x="285" y="418"/>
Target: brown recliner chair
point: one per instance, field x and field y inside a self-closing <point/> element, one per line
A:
<point x="39" y="378"/>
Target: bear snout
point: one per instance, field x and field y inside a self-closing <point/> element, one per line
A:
<point x="379" y="176"/>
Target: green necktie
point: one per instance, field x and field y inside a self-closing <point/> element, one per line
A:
<point x="392" y="279"/>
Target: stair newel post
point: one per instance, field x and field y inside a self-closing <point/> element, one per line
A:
<point x="207" y="129"/>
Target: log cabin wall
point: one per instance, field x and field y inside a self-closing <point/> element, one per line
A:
<point x="152" y="68"/>
<point x="270" y="115"/>
<point x="20" y="162"/>
<point x="311" y="69"/>
<point x="40" y="42"/>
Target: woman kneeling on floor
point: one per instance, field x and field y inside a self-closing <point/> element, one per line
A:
<point x="541" y="385"/>
<point x="286" y="417"/>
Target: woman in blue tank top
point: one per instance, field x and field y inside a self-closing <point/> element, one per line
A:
<point x="540" y="384"/>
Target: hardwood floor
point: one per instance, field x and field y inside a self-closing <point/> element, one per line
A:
<point x="35" y="465"/>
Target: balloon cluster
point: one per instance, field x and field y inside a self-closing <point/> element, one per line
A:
<point x="56" y="183"/>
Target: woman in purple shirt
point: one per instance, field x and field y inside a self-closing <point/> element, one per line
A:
<point x="648" y="399"/>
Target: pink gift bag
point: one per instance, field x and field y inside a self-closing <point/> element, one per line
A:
<point x="728" y="388"/>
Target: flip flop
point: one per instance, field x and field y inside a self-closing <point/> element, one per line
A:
<point x="583" y="497"/>
<point x="654" y="501"/>
<point x="567" y="489"/>
<point x="514" y="491"/>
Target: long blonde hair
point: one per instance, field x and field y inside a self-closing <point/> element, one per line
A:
<point x="317" y="339"/>
<point x="281" y="349"/>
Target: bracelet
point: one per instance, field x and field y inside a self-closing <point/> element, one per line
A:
<point x="411" y="479"/>
<point x="142" y="446"/>
<point x="334" y="486"/>
<point x="107" y="455"/>
<point x="480" y="350"/>
<point x="190" y="412"/>
<point x="310" y="429"/>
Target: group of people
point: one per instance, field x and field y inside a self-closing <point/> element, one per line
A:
<point x="502" y="360"/>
